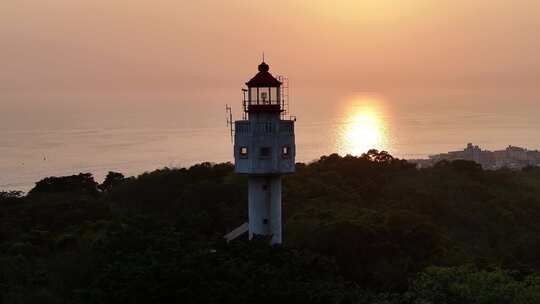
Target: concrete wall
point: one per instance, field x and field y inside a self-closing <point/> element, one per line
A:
<point x="256" y="135"/>
<point x="265" y="207"/>
<point x="265" y="131"/>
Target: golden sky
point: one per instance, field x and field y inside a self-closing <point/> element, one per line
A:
<point x="94" y="49"/>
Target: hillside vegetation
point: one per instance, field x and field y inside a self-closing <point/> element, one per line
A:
<point x="369" y="229"/>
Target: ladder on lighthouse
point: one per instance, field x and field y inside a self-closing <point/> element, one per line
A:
<point x="284" y="94"/>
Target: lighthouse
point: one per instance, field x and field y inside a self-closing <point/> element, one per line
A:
<point x="264" y="150"/>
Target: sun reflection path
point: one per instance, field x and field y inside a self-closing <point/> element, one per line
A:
<point x="363" y="128"/>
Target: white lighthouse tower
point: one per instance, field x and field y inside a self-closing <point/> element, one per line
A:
<point x="264" y="149"/>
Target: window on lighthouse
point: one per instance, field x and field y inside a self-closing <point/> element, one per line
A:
<point x="243" y="152"/>
<point x="286" y="152"/>
<point x="265" y="152"/>
<point x="264" y="98"/>
<point x="264" y="95"/>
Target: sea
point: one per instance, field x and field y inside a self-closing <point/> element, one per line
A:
<point x="58" y="139"/>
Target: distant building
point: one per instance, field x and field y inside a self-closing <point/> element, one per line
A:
<point x="512" y="157"/>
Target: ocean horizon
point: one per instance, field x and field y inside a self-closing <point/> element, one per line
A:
<point x="364" y="122"/>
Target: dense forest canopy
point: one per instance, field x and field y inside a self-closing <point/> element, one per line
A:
<point x="369" y="229"/>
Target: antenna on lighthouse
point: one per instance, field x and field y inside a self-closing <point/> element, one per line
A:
<point x="230" y="123"/>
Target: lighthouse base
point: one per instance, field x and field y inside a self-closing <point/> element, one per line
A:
<point x="265" y="207"/>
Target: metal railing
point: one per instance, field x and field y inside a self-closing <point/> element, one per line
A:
<point x="245" y="127"/>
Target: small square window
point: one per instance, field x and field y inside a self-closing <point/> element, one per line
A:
<point x="243" y="152"/>
<point x="286" y="152"/>
<point x="265" y="152"/>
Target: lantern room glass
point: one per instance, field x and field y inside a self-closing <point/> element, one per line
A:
<point x="264" y="95"/>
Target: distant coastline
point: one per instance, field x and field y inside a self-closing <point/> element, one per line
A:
<point x="512" y="157"/>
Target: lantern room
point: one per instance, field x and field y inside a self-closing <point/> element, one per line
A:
<point x="263" y="92"/>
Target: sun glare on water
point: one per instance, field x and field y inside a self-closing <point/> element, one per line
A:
<point x="363" y="127"/>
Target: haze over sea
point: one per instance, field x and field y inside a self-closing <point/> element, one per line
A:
<point x="131" y="86"/>
<point x="136" y="136"/>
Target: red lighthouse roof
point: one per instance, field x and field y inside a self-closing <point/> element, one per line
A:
<point x="263" y="78"/>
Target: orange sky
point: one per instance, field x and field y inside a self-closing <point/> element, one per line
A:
<point x="97" y="51"/>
